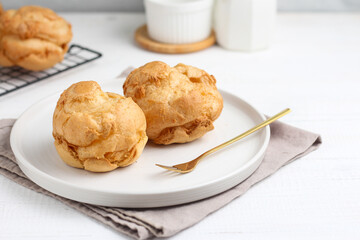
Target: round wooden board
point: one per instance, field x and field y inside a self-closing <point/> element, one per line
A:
<point x="143" y="39"/>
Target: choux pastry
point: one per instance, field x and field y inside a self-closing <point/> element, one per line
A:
<point x="98" y="131"/>
<point x="180" y="103"/>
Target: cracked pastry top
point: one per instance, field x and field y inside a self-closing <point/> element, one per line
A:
<point x="33" y="37"/>
<point x="180" y="103"/>
<point x="97" y="131"/>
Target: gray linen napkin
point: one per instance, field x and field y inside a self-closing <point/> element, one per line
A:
<point x="287" y="143"/>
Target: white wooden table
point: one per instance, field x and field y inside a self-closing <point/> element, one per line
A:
<point x="312" y="67"/>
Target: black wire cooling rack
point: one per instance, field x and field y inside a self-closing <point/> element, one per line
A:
<point x="13" y="78"/>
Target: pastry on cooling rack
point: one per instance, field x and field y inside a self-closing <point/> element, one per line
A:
<point x="180" y="103"/>
<point x="33" y="37"/>
<point x="98" y="131"/>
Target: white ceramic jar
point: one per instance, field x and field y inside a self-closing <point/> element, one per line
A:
<point x="179" y="21"/>
<point x="245" y="25"/>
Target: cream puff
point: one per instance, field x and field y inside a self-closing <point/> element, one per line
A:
<point x="98" y="131"/>
<point x="33" y="37"/>
<point x="180" y="103"/>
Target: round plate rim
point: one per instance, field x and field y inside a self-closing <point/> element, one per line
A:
<point x="26" y="166"/>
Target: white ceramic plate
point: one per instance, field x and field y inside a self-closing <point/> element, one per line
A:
<point x="143" y="184"/>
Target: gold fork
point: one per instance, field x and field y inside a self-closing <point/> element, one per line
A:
<point x="190" y="166"/>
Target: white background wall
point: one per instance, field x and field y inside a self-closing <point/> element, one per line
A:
<point x="137" y="5"/>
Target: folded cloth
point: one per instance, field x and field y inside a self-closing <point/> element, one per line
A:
<point x="287" y="143"/>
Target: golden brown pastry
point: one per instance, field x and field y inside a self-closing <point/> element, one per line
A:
<point x="33" y="37"/>
<point x="98" y="131"/>
<point x="180" y="103"/>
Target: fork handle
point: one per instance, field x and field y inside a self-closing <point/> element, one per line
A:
<point x="248" y="132"/>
